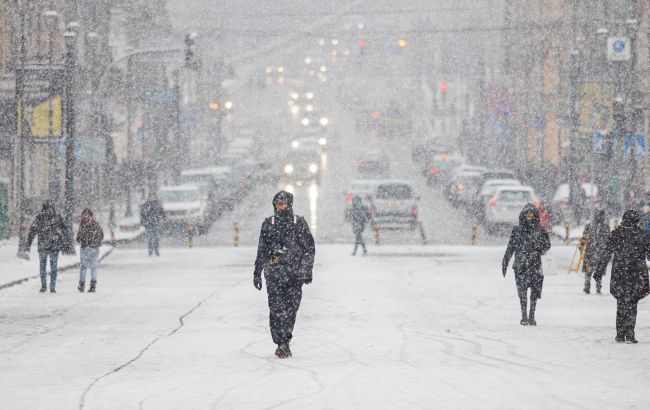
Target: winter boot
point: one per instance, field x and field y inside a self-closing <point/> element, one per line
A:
<point x="531" y="321"/>
<point x="43" y="287"/>
<point x="52" y="289"/>
<point x="587" y="288"/>
<point x="620" y="338"/>
<point x="93" y="283"/>
<point x="82" y="286"/>
<point x="283" y="351"/>
<point x="599" y="286"/>
<point x="631" y="339"/>
<point x="531" y="314"/>
<point x="523" y="321"/>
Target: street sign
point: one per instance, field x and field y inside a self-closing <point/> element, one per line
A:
<point x="506" y="109"/>
<point x="634" y="145"/>
<point x="598" y="142"/>
<point x="618" y="49"/>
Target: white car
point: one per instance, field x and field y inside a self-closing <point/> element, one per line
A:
<point x="184" y="205"/>
<point x="394" y="205"/>
<point x="506" y="203"/>
<point x="363" y="188"/>
<point x="561" y="205"/>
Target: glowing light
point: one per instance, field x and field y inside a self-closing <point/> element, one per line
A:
<point x="295" y="144"/>
<point x="294" y="95"/>
<point x="322" y="141"/>
<point x="288" y="169"/>
<point x="280" y="69"/>
<point x="268" y="70"/>
<point x="313" y="168"/>
<point x="228" y="105"/>
<point x="335" y="42"/>
<point x="214" y="105"/>
<point x="324" y="121"/>
<point x="401" y="42"/>
<point x="323" y="69"/>
<point x="307" y="60"/>
<point x="309" y="95"/>
<point x="321" y="42"/>
<point x="309" y="108"/>
<point x="305" y="121"/>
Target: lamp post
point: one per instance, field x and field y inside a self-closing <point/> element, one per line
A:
<point x="20" y="115"/>
<point x="70" y="63"/>
<point x="51" y="17"/>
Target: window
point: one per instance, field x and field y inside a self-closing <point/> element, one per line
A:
<point x="180" y="196"/>
<point x="394" y="191"/>
<point x="515" y="196"/>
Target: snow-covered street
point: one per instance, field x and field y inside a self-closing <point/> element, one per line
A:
<point x="406" y="327"/>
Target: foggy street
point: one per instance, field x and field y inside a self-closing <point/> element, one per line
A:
<point x="337" y="204"/>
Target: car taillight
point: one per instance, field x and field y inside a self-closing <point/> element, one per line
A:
<point x="492" y="201"/>
<point x="460" y="187"/>
<point x="349" y="197"/>
<point x="414" y="212"/>
<point x="433" y="170"/>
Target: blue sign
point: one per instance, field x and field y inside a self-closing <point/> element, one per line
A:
<point x="537" y="122"/>
<point x="599" y="142"/>
<point x="634" y="145"/>
<point x="500" y="131"/>
<point x="506" y="109"/>
<point x="60" y="147"/>
<point x="618" y="46"/>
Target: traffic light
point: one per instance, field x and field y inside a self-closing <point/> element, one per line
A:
<point x="401" y="42"/>
<point x="443" y="86"/>
<point x="362" y="42"/>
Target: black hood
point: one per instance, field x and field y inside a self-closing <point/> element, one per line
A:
<point x="599" y="217"/>
<point x="529" y="208"/>
<point x="283" y="196"/>
<point x="48" y="208"/>
<point x="631" y="217"/>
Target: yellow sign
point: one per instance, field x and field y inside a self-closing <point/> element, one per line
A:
<point x="39" y="120"/>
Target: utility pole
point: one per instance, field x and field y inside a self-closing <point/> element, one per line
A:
<point x="22" y="135"/>
<point x="129" y="143"/>
<point x="70" y="63"/>
<point x="178" y="133"/>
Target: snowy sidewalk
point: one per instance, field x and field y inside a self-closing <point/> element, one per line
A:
<point x="408" y="327"/>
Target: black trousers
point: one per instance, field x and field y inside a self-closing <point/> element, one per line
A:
<point x="284" y="301"/>
<point x="625" y="318"/>
<point x="358" y="240"/>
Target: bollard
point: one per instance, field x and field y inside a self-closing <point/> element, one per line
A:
<point x="422" y="233"/>
<point x="375" y="228"/>
<point x="190" y="235"/>
<point x="474" y="233"/>
<point x="567" y="236"/>
<point x="235" y="228"/>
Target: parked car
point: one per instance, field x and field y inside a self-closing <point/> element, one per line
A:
<point x="373" y="164"/>
<point x="463" y="186"/>
<point x="560" y="206"/>
<point x="505" y="205"/>
<point x="487" y="190"/>
<point x="439" y="167"/>
<point x="184" y="205"/>
<point x="394" y="205"/>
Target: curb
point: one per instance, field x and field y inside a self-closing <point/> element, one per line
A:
<point x="61" y="269"/>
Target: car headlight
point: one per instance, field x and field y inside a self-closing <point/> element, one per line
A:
<point x="322" y="141"/>
<point x="324" y="121"/>
<point x="313" y="168"/>
<point x="295" y="144"/>
<point x="288" y="169"/>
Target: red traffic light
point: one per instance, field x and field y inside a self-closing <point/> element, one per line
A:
<point x="443" y="86"/>
<point x="374" y="114"/>
<point x="362" y="42"/>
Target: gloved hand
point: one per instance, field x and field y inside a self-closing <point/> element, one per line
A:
<point x="257" y="282"/>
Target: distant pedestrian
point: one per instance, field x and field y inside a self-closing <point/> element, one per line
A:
<point x="359" y="215"/>
<point x="52" y="234"/>
<point x="152" y="216"/>
<point x="577" y="199"/>
<point x="629" y="245"/>
<point x="286" y="256"/>
<point x="90" y="236"/>
<point x="594" y="237"/>
<point x="528" y="242"/>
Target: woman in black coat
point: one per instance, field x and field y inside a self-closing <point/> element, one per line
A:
<point x="528" y="242"/>
<point x="596" y="235"/>
<point x="630" y="247"/>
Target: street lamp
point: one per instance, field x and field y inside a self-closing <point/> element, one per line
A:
<point x="70" y="38"/>
<point x="51" y="18"/>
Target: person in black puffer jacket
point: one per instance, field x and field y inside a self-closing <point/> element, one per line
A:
<point x="595" y="235"/>
<point x="629" y="245"/>
<point x="359" y="215"/>
<point x="286" y="256"/>
<point x="528" y="242"/>
<point x="51" y="231"/>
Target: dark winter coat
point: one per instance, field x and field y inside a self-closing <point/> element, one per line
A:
<point x="630" y="246"/>
<point x="90" y="233"/>
<point x="50" y="228"/>
<point x="528" y="242"/>
<point x="152" y="214"/>
<point x="286" y="247"/>
<point x="359" y="215"/>
<point x="597" y="233"/>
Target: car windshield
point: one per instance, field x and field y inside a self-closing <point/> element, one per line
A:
<point x="361" y="188"/>
<point x="180" y="196"/>
<point x="394" y="191"/>
<point x="515" y="196"/>
<point x="196" y="179"/>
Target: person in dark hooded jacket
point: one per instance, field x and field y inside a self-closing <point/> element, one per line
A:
<point x="359" y="216"/>
<point x="286" y="256"/>
<point x="629" y="245"/>
<point x="528" y="242"/>
<point x="595" y="237"/>
<point x="51" y="231"/>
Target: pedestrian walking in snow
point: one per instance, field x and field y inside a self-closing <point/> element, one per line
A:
<point x="152" y="216"/>
<point x="629" y="245"/>
<point x="286" y="256"/>
<point x="359" y="216"/>
<point x="594" y="237"/>
<point x="90" y="236"/>
<point x="52" y="233"/>
<point x="528" y="242"/>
